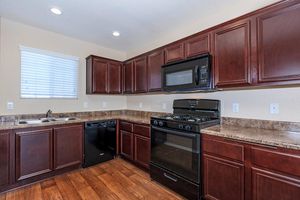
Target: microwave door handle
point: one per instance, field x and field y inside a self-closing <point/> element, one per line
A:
<point x="189" y="135"/>
<point x="196" y="75"/>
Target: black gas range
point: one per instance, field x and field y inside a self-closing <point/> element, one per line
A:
<point x="176" y="147"/>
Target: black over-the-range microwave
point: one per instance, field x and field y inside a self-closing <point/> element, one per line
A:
<point x="189" y="75"/>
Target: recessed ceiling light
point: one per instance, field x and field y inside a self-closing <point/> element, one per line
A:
<point x="116" y="33"/>
<point x="56" y="11"/>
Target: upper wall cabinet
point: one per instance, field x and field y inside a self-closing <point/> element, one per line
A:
<point x="174" y="52"/>
<point x="278" y="45"/>
<point x="103" y="76"/>
<point x="197" y="45"/>
<point x="128" y="76"/>
<point x="231" y="52"/>
<point x="115" y="78"/>
<point x="140" y="75"/>
<point x="155" y="61"/>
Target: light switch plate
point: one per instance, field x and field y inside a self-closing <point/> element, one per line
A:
<point x="274" y="108"/>
<point x="164" y="106"/>
<point x="140" y="105"/>
<point x="235" y="107"/>
<point x="85" y="104"/>
<point x="104" y="104"/>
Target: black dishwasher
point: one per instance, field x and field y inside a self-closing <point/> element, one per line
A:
<point x="99" y="142"/>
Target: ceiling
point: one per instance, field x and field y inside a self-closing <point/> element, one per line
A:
<point x="143" y="24"/>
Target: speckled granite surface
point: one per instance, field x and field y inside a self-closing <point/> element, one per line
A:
<point x="273" y="133"/>
<point x="12" y="122"/>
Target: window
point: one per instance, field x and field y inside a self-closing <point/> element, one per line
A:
<point x="48" y="75"/>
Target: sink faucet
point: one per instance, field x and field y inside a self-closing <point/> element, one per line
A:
<point x="49" y="113"/>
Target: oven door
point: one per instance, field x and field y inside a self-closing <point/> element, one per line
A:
<point x="176" y="151"/>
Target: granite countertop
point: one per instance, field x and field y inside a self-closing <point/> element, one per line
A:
<point x="278" y="138"/>
<point x="136" y="119"/>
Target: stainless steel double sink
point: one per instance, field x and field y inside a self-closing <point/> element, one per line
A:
<point x="46" y="120"/>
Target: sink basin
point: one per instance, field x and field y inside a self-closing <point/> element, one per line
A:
<point x="45" y="120"/>
<point x="64" y="119"/>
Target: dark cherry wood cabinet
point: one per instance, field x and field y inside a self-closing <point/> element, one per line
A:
<point x="103" y="76"/>
<point x="223" y="170"/>
<point x="68" y="146"/>
<point x="237" y="170"/>
<point x="174" y="52"/>
<point x="5" y="158"/>
<point x="126" y="144"/>
<point x="140" y="75"/>
<point x="231" y="53"/>
<point x="46" y="149"/>
<point x="128" y="77"/>
<point x="197" y="45"/>
<point x="34" y="152"/>
<point x="135" y="143"/>
<point x="155" y="61"/>
<point x="278" y="45"/>
<point x="96" y="75"/>
<point x="115" y="78"/>
<point x="272" y="186"/>
<point x="223" y="179"/>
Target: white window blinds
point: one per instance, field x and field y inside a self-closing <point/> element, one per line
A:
<point x="46" y="74"/>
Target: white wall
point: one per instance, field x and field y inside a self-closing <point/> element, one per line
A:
<point x="13" y="34"/>
<point x="254" y="104"/>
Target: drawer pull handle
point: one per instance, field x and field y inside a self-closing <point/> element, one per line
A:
<point x="169" y="177"/>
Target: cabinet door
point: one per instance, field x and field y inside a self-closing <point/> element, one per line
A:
<point x="33" y="153"/>
<point x="127" y="144"/>
<point x="140" y="78"/>
<point x="174" y="52"/>
<point x="232" y="55"/>
<point x="142" y="150"/>
<point x="68" y="144"/>
<point x="128" y="77"/>
<point x="4" y="158"/>
<point x="223" y="180"/>
<point x="100" y="76"/>
<point x="270" y="186"/>
<point x="197" y="45"/>
<point x="279" y="46"/>
<point x="115" y="78"/>
<point x="155" y="61"/>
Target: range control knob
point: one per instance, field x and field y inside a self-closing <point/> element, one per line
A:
<point x="188" y="127"/>
<point x="180" y="126"/>
<point x="160" y="123"/>
<point x="155" y="122"/>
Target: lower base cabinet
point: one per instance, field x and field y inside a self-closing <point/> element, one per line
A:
<point x="4" y="158"/>
<point x="268" y="186"/>
<point x="142" y="150"/>
<point x="223" y="179"/>
<point x="237" y="171"/>
<point x="68" y="146"/>
<point x="126" y="144"/>
<point x="43" y="150"/>
<point x="135" y="143"/>
<point x="34" y="153"/>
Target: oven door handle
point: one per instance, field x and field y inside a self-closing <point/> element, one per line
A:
<point x="189" y="135"/>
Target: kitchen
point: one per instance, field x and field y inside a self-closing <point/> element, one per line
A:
<point x="226" y="82"/>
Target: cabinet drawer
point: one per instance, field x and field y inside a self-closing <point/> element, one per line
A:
<point x="281" y="162"/>
<point x="224" y="149"/>
<point x="141" y="130"/>
<point x="126" y="126"/>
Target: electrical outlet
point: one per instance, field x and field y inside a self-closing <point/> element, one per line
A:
<point x="164" y="106"/>
<point x="274" y="108"/>
<point x="104" y="104"/>
<point x="85" y="104"/>
<point x="10" y="105"/>
<point x="235" y="107"/>
<point x="140" y="105"/>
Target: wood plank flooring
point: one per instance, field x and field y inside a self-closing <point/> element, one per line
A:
<point x="116" y="179"/>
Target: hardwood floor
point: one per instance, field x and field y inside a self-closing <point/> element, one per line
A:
<point x="116" y="179"/>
